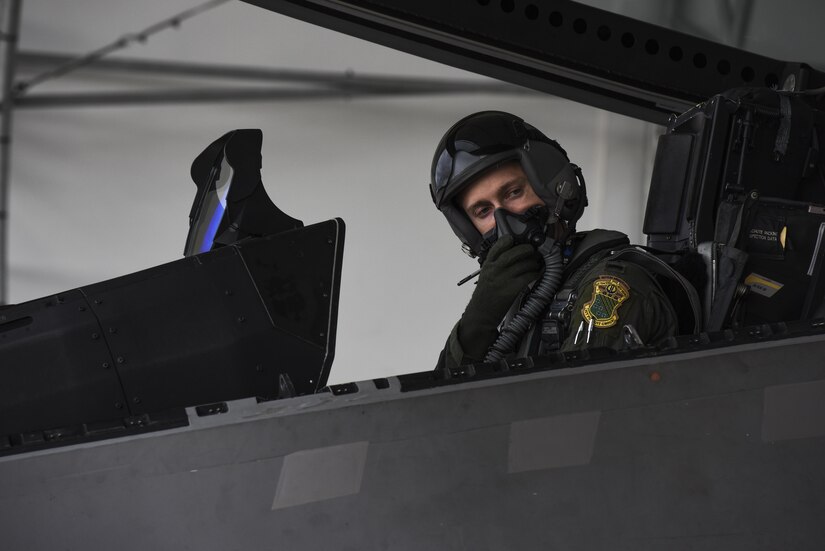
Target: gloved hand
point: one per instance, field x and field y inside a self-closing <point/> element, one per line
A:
<point x="506" y="271"/>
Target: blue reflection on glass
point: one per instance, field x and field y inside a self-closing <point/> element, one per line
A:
<point x="211" y="229"/>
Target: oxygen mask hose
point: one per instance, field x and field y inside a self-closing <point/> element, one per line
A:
<point x="530" y="227"/>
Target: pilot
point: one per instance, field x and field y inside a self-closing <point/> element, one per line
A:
<point x="513" y="197"/>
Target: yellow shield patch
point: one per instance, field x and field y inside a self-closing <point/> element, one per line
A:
<point x="608" y="294"/>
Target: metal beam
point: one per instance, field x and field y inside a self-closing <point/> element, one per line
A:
<point x="31" y="61"/>
<point x="564" y="48"/>
<point x="198" y="95"/>
<point x="314" y="85"/>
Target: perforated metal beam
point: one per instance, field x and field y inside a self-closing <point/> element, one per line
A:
<point x="586" y="54"/>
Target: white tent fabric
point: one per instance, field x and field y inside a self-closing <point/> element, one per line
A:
<point x="98" y="192"/>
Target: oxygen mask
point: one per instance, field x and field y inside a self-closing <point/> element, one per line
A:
<point x="529" y="226"/>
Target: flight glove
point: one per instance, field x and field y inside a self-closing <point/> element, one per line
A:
<point x="506" y="272"/>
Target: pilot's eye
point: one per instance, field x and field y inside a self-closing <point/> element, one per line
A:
<point x="515" y="192"/>
<point x="481" y="212"/>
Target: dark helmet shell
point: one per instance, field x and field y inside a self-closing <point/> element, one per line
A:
<point x="485" y="140"/>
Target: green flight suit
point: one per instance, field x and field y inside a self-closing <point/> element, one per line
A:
<point x="615" y="293"/>
<point x="611" y="292"/>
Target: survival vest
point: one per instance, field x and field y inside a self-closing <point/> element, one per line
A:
<point x="585" y="253"/>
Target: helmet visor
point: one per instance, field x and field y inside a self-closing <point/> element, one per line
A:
<point x="470" y="142"/>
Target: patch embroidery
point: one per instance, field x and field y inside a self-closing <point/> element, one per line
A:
<point x="608" y="294"/>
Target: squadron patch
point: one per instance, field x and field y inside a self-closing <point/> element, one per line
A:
<point x="608" y="294"/>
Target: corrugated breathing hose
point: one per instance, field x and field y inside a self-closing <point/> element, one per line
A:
<point x="536" y="303"/>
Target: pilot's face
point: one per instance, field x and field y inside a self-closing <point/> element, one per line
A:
<point x="504" y="187"/>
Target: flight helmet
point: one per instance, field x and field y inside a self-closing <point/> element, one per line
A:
<point x="485" y="140"/>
